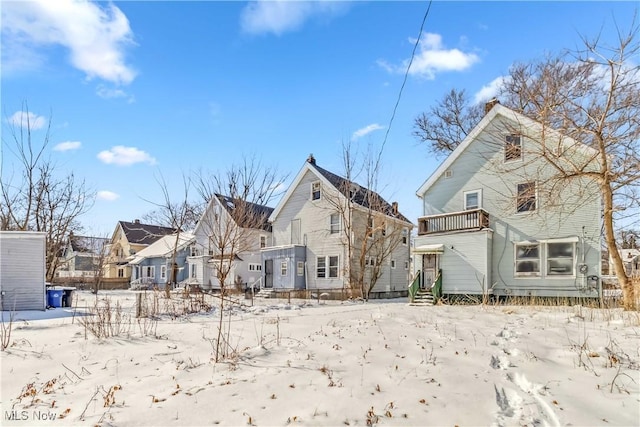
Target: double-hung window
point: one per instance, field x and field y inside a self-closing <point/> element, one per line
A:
<point x="526" y="197"/>
<point x="315" y="190"/>
<point x="327" y="267"/>
<point x="163" y="272"/>
<point x="321" y="267"/>
<point x="560" y="258"/>
<point x="334" y="223"/>
<point x="527" y="259"/>
<point x="512" y="147"/>
<point x="283" y="268"/>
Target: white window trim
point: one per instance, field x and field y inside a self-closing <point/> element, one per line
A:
<point x="255" y="266"/>
<point x="284" y="269"/>
<point x="535" y="207"/>
<point x="504" y="150"/>
<point x="163" y="272"/>
<point x="339" y="225"/>
<point x="527" y="275"/>
<point x="405" y="236"/>
<point x="300" y="268"/>
<point x="573" y="260"/>
<point x="313" y="184"/>
<point x="464" y="198"/>
<point x="393" y="264"/>
<point x="324" y="258"/>
<point x="329" y="267"/>
<point x="263" y="238"/>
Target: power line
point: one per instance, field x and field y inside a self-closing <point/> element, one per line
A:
<point x="404" y="82"/>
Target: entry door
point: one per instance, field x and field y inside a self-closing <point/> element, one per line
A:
<point x="429" y="267"/>
<point x="268" y="273"/>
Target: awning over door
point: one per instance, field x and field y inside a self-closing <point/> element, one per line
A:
<point x="429" y="249"/>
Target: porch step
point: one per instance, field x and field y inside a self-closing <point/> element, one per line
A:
<point x="423" y="298"/>
<point x="265" y="293"/>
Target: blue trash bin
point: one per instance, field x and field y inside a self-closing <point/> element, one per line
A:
<point x="54" y="298"/>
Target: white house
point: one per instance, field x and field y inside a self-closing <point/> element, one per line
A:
<point x="329" y="232"/>
<point x="496" y="222"/>
<point x="230" y="232"/>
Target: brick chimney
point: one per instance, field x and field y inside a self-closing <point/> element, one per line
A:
<point x="311" y="159"/>
<point x="394" y="208"/>
<point x="136" y="221"/>
<point x="489" y="105"/>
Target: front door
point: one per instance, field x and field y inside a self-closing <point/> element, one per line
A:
<point x="429" y="268"/>
<point x="268" y="273"/>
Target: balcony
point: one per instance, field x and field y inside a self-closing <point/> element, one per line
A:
<point x="470" y="220"/>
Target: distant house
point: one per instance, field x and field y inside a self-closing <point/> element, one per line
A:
<point x="631" y="261"/>
<point x="152" y="266"/>
<point x="328" y="232"/>
<point x="231" y="232"/>
<point x="493" y="223"/>
<point x="128" y="239"/>
<point x="81" y="257"/>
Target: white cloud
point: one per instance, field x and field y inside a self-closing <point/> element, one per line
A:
<point x="22" y="119"/>
<point x="96" y="36"/>
<point x="280" y="16"/>
<point x="125" y="156"/>
<point x="67" y="146"/>
<point x="490" y="90"/>
<point x="110" y="93"/>
<point x="431" y="58"/>
<point x="107" y="195"/>
<point x="366" y="130"/>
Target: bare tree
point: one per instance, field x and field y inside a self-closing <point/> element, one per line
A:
<point x="232" y="223"/>
<point x="34" y="198"/>
<point x="592" y="96"/>
<point x="372" y="228"/>
<point x="447" y="123"/>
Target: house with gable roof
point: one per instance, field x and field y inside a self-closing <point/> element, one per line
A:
<point x="81" y="257"/>
<point x="127" y="239"/>
<point x="154" y="265"/>
<point x="329" y="232"/>
<point x="230" y="233"/>
<point x="495" y="222"/>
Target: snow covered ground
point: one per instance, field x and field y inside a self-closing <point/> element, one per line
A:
<point x="325" y="364"/>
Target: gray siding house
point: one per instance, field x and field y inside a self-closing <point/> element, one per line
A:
<point x="152" y="266"/>
<point x="329" y="232"/>
<point x="22" y="270"/>
<point x="497" y="222"/>
<point x="230" y="233"/>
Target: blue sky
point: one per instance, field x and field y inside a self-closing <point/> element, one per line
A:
<point x="139" y="89"/>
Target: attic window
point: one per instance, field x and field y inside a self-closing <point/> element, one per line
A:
<point x="315" y="190"/>
<point x="448" y="174"/>
<point x="512" y="147"/>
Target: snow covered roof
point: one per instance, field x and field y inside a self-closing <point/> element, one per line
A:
<point x="162" y="247"/>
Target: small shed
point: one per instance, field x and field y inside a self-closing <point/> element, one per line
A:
<point x="22" y="270"/>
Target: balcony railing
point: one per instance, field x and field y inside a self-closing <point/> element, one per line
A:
<point x="475" y="219"/>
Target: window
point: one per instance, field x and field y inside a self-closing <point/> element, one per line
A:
<point x="512" y="147"/>
<point x="263" y="242"/>
<point x="526" y="198"/>
<point x="334" y="223"/>
<point x="163" y="272"/>
<point x="255" y="267"/>
<point x="194" y="251"/>
<point x="472" y="199"/>
<point x="193" y="271"/>
<point x="121" y="272"/>
<point x="370" y="227"/>
<point x="393" y="263"/>
<point x="321" y="267"/>
<point x="283" y="268"/>
<point x="560" y="259"/>
<point x="406" y="265"/>
<point x="300" y="268"/>
<point x="405" y="236"/>
<point x="333" y="266"/>
<point x="527" y="259"/>
<point x="315" y="190"/>
<point x="149" y="272"/>
<point x="383" y="229"/>
<point x="370" y="261"/>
